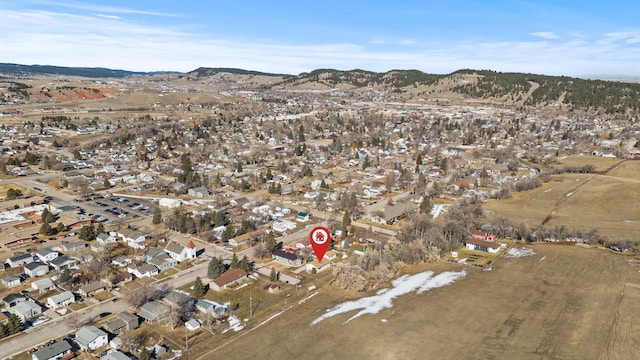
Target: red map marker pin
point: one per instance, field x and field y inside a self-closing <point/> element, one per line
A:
<point x="319" y="239"/>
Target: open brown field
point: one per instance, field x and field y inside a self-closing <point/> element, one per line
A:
<point x="562" y="303"/>
<point x="607" y="202"/>
<point x="601" y="163"/>
<point x="534" y="206"/>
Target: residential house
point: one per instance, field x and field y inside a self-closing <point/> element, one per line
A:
<point x="91" y="289"/>
<point x="26" y="310"/>
<point x="20" y="260"/>
<point x="133" y="238"/>
<point x="123" y="321"/>
<point x="13" y="299"/>
<point x="115" y="355"/>
<point x="60" y="300"/>
<point x="181" y="253"/>
<point x="63" y="262"/>
<point x="241" y="202"/>
<point x="210" y="307"/>
<point x="103" y="240"/>
<point x="43" y="284"/>
<point x="198" y="192"/>
<point x="397" y="212"/>
<point x="192" y="325"/>
<point x="121" y="261"/>
<point x="117" y="279"/>
<point x="35" y="269"/>
<point x="178" y="298"/>
<point x="282" y="225"/>
<point x="56" y="350"/>
<point x="73" y="246"/>
<point x="47" y="254"/>
<point x="317" y="266"/>
<point x="162" y="261"/>
<point x="90" y="338"/>
<point x="286" y="257"/>
<point x="481" y="235"/>
<point x="228" y="278"/>
<point x="144" y="270"/>
<point x="482" y="245"/>
<point x="153" y="311"/>
<point x="303" y="216"/>
<point x="11" y="280"/>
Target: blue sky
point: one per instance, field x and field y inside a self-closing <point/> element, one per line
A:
<point x="575" y="38"/>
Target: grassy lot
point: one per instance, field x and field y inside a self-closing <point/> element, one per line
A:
<point x="103" y="296"/>
<point x="564" y="302"/>
<point x="166" y="274"/>
<point x="606" y="202"/>
<point x="76" y="306"/>
<point x="600" y="163"/>
<point x="6" y="186"/>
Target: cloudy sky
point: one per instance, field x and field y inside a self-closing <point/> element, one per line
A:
<point x="575" y="38"/>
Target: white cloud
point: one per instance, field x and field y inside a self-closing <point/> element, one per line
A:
<point x="549" y="35"/>
<point x="102" y="39"/>
<point x="102" y="9"/>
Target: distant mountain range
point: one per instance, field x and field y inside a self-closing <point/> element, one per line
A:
<point x="509" y="89"/>
<point x="18" y="69"/>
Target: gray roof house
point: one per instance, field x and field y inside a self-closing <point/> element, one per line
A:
<point x="60" y="300"/>
<point x="47" y="254"/>
<point x="42" y="284"/>
<point x="56" y="350"/>
<point x="11" y="280"/>
<point x="35" y="269"/>
<point x="26" y="310"/>
<point x="200" y="192"/>
<point x="90" y="338"/>
<point x="91" y="289"/>
<point x="12" y="299"/>
<point x="153" y="311"/>
<point x="124" y="320"/>
<point x="115" y="355"/>
<point x="19" y="260"/>
<point x="62" y="262"/>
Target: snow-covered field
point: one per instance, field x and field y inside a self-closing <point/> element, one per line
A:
<point x="519" y="252"/>
<point x="405" y="284"/>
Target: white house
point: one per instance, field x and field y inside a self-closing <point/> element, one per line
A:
<point x="144" y="270"/>
<point x="482" y="245"/>
<point x="133" y="238"/>
<point x="42" y="284"/>
<point x="19" y="260"/>
<point x="170" y="203"/>
<point x="179" y="252"/>
<point x="54" y="351"/>
<point x="47" y="254"/>
<point x="26" y="310"/>
<point x="35" y="269"/>
<point x="60" y="300"/>
<point x="10" y="280"/>
<point x="90" y="338"/>
<point x="283" y="225"/>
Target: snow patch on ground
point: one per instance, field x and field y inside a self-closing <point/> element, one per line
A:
<point x="519" y="252"/>
<point x="403" y="285"/>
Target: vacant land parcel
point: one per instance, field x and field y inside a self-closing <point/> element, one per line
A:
<point x="563" y="302"/>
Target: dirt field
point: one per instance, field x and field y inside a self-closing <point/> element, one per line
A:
<point x="563" y="303"/>
<point x="600" y="163"/>
<point x="607" y="202"/>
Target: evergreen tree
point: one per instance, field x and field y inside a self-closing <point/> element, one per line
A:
<point x="273" y="276"/>
<point x="346" y="222"/>
<point x="65" y="276"/>
<point x="269" y="175"/>
<point x="13" y="194"/>
<point x="245" y="264"/>
<point x="87" y="233"/>
<point x="228" y="233"/>
<point x="199" y="289"/>
<point x="271" y="241"/>
<point x="4" y="330"/>
<point x="157" y="216"/>
<point x="216" y="268"/>
<point x="14" y="324"/>
<point x="301" y="137"/>
<point x="234" y="261"/>
<point x="60" y="227"/>
<point x="145" y="354"/>
<point x="45" y="229"/>
<point x="426" y="205"/>
<point x="100" y="229"/>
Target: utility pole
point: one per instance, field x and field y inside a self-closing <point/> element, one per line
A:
<point x="186" y="340"/>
